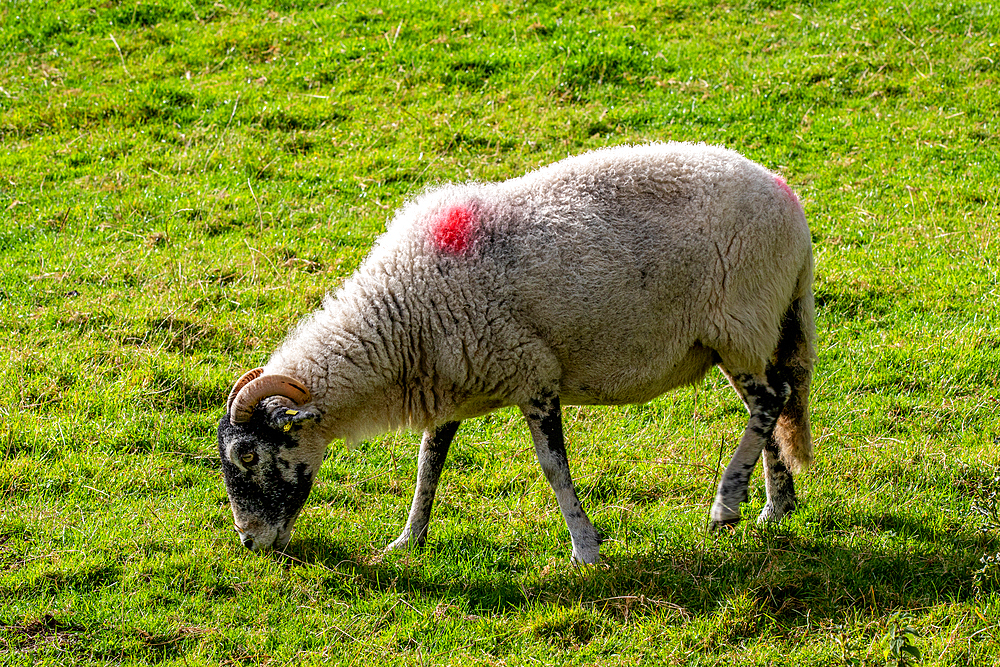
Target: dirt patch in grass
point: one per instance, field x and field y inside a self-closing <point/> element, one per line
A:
<point x="47" y="631"/>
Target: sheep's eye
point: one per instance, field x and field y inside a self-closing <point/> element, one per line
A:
<point x="249" y="458"/>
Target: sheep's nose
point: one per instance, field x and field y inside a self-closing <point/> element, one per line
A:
<point x="246" y="538"/>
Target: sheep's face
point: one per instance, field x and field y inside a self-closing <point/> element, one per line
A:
<point x="268" y="464"/>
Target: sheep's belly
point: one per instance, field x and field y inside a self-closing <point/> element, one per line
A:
<point x="637" y="382"/>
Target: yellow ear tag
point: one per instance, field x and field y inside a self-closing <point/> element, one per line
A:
<point x="288" y="427"/>
<point x="291" y="412"/>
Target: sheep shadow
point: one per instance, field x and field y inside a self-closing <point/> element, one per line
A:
<point x="441" y="569"/>
<point x="786" y="577"/>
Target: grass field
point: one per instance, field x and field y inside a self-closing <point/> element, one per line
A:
<point x="181" y="180"/>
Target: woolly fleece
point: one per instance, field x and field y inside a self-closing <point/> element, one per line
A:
<point x="605" y="278"/>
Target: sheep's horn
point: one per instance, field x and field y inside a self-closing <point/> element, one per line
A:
<point x="254" y="386"/>
<point x="246" y="377"/>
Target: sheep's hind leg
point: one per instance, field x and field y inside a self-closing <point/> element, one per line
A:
<point x="433" y="451"/>
<point x="765" y="396"/>
<point x="779" y="484"/>
<point x="544" y="418"/>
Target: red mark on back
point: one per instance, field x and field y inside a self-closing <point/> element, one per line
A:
<point x="453" y="229"/>
<point x="784" y="186"/>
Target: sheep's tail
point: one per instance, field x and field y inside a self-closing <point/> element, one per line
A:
<point x="796" y="354"/>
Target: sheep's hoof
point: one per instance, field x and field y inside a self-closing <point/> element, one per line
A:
<point x="404" y="541"/>
<point x="586" y="546"/>
<point x="723" y="525"/>
<point x="774" y="512"/>
<point x="724" y="515"/>
<point x="585" y="557"/>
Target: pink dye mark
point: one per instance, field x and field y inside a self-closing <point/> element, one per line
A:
<point x="453" y="230"/>
<point x="784" y="186"/>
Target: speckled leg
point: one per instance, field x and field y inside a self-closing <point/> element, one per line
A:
<point x="765" y="396"/>
<point x="779" y="485"/>
<point x="433" y="450"/>
<point x="544" y="418"/>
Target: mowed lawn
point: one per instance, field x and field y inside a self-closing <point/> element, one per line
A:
<point x="182" y="180"/>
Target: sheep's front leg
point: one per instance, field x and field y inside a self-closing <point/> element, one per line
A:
<point x="433" y="450"/>
<point x="544" y="418"/>
<point x="765" y="396"/>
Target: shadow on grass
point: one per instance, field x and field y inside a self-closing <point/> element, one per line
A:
<point x="442" y="569"/>
<point x="867" y="568"/>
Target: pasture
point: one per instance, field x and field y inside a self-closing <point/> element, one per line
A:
<point x="182" y="180"/>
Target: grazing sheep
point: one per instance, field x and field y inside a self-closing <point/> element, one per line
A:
<point x="606" y="278"/>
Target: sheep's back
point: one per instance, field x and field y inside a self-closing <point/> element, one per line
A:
<point x="639" y="268"/>
<point x="633" y="269"/>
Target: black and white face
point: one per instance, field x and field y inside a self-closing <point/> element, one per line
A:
<point x="269" y="471"/>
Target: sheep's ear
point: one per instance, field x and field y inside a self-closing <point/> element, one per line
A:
<point x="285" y="418"/>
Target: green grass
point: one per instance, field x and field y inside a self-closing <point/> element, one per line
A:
<point x="180" y="181"/>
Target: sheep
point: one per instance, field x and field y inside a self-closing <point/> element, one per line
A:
<point x="607" y="278"/>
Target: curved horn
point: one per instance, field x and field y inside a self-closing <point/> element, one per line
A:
<point x="244" y="379"/>
<point x="261" y="386"/>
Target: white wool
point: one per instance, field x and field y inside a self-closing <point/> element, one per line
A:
<point x="605" y="278"/>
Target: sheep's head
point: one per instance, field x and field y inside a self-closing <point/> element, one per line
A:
<point x="268" y="458"/>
